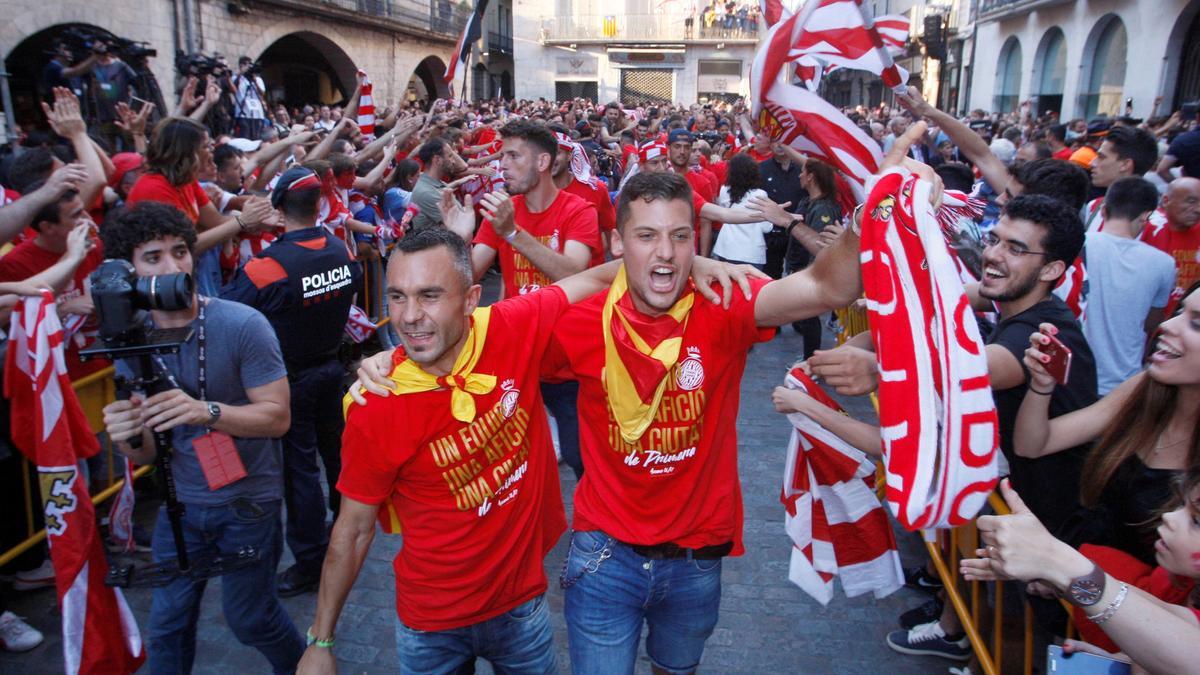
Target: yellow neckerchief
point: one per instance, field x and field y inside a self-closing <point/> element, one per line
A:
<point x="409" y="378"/>
<point x="633" y="414"/>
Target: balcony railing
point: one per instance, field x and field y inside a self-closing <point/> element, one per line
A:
<point x="643" y="28"/>
<point x="441" y="17"/>
<point x="499" y="43"/>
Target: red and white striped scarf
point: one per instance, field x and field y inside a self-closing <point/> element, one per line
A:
<point x="366" y="108"/>
<point x="835" y="521"/>
<point x="936" y="412"/>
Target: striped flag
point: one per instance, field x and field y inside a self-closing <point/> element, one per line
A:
<point x="366" y="108"/>
<point x="834" y="518"/>
<point x="99" y="632"/>
<point x="843" y="33"/>
<point x="462" y="51"/>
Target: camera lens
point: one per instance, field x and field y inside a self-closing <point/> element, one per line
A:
<point x="166" y="291"/>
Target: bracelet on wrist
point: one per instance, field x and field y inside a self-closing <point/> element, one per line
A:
<point x="1112" y="607"/>
<point x="241" y="223"/>
<point x="324" y="643"/>
<point x="1040" y="393"/>
<point x="511" y="235"/>
<point x="856" y="219"/>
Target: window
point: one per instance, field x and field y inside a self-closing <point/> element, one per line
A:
<point x="1106" y="81"/>
<point x="718" y="80"/>
<point x="1008" y="77"/>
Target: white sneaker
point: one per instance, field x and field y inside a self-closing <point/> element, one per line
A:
<point x="41" y="577"/>
<point x="16" y="635"/>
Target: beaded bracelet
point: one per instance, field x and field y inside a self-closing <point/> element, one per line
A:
<point x="314" y="640"/>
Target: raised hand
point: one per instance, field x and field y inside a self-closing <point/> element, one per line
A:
<point x="65" y="118"/>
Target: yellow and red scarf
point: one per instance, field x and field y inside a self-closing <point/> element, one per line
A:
<point x="639" y="353"/>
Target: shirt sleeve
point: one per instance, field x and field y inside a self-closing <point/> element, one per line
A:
<point x="746" y="331"/>
<point x="370" y="462"/>
<point x="606" y="213"/>
<point x="583" y="227"/>
<point x="261" y="358"/>
<point x="199" y="194"/>
<point x="487" y="236"/>
<point x="1013" y="336"/>
<point x="1162" y="295"/>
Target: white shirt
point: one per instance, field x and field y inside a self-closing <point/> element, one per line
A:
<point x="249" y="101"/>
<point x="742" y="242"/>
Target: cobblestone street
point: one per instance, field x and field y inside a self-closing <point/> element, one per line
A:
<point x="767" y="624"/>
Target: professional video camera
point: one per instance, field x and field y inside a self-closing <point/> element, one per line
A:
<point x="199" y="64"/>
<point x="122" y="300"/>
<point x="82" y="41"/>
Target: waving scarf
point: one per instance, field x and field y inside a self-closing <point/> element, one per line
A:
<point x="639" y="353"/>
<point x="936" y="413"/>
<point x="462" y="381"/>
<point x="835" y="521"/>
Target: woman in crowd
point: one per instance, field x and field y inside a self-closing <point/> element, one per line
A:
<point x="179" y="153"/>
<point x="817" y="178"/>
<point x="1147" y="430"/>
<point x="1157" y="636"/>
<point x="742" y="243"/>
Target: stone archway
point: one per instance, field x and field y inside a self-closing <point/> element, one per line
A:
<point x="426" y="82"/>
<point x="307" y="68"/>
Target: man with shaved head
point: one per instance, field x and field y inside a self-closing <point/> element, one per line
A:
<point x="1173" y="230"/>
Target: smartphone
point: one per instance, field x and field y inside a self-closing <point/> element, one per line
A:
<point x="1081" y="663"/>
<point x="139" y="103"/>
<point x="1059" y="365"/>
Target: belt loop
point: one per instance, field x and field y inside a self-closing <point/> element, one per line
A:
<point x="689" y="555"/>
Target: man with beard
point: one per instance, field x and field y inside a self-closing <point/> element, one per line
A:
<point x="570" y="174"/>
<point x="542" y="234"/>
<point x="1125" y="151"/>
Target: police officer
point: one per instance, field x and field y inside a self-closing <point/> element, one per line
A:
<point x="304" y="284"/>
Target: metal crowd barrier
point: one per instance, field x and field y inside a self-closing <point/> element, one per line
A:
<point x="949" y="547"/>
<point x="94" y="392"/>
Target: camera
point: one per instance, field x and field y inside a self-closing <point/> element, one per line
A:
<point x="121" y="298"/>
<point x="199" y="64"/>
<point x="82" y="41"/>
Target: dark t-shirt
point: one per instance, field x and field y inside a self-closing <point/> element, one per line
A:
<point x="820" y="214"/>
<point x="783" y="185"/>
<point x="1186" y="149"/>
<point x="1049" y="485"/>
<point x="113" y="80"/>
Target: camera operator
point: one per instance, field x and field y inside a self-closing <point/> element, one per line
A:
<point x="249" y="100"/>
<point x="59" y="72"/>
<point x="304" y="284"/>
<point x="114" y="84"/>
<point x="240" y="403"/>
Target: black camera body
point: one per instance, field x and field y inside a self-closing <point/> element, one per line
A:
<point x="82" y="41"/>
<point x="121" y="298"/>
<point x="199" y="64"/>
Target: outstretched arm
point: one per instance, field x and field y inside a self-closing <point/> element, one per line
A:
<point x="971" y="144"/>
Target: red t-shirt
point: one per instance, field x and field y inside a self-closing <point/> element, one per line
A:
<point x="153" y="187"/>
<point x="479" y="504"/>
<point x="700" y="185"/>
<point x="1064" y="154"/>
<point x="28" y="259"/>
<point x="569" y="218"/>
<point x="721" y="171"/>
<point x="680" y="483"/>
<point x="596" y="195"/>
<point x="1184" y="246"/>
<point x="759" y="156"/>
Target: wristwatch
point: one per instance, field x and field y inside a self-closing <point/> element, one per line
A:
<point x="1086" y="590"/>
<point x="214" y="412"/>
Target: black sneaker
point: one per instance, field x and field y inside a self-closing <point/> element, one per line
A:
<point x="294" y="581"/>
<point x="918" y="578"/>
<point x="929" y="639"/>
<point x="930" y="611"/>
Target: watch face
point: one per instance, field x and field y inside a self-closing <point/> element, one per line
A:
<point x="1085" y="592"/>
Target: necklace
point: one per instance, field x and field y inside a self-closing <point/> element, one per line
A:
<point x="1161" y="446"/>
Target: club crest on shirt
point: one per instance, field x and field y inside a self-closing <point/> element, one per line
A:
<point x="690" y="372"/>
<point x="508" y="401"/>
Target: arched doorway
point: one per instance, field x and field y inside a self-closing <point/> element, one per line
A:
<point x="1104" y="58"/>
<point x="27" y="61"/>
<point x="1008" y="77"/>
<point x="1050" y="72"/>
<point x="306" y="68"/>
<point x="1187" y="84"/>
<point x="426" y="83"/>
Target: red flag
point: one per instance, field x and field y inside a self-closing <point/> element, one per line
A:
<point x="773" y="11"/>
<point x="843" y="33"/>
<point x="99" y="632"/>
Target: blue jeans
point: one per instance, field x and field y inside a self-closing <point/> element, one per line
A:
<point x="611" y="590"/>
<point x="247" y="595"/>
<point x="518" y="641"/>
<point x="561" y="400"/>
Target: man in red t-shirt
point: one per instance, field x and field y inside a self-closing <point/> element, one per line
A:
<point x="1175" y="230"/>
<point x="54" y="225"/>
<point x="659" y="374"/>
<point x="679" y="152"/>
<point x="572" y="173"/>
<point x="542" y="234"/>
<point x="469" y="477"/>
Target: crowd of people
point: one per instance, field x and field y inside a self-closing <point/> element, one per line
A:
<point x="641" y="251"/>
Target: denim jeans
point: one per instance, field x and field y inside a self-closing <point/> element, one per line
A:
<point x="247" y="595"/>
<point x="316" y="406"/>
<point x="518" y="641"/>
<point x="561" y="400"/>
<point x="611" y="590"/>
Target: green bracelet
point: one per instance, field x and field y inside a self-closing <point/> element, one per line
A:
<point x="314" y="640"/>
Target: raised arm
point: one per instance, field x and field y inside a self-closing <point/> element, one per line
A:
<point x="66" y="121"/>
<point x="19" y="214"/>
<point x="971" y="144"/>
<point x="498" y="208"/>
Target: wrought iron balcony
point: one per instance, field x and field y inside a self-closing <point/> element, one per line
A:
<point x="499" y="43"/>
<point x="626" y="28"/>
